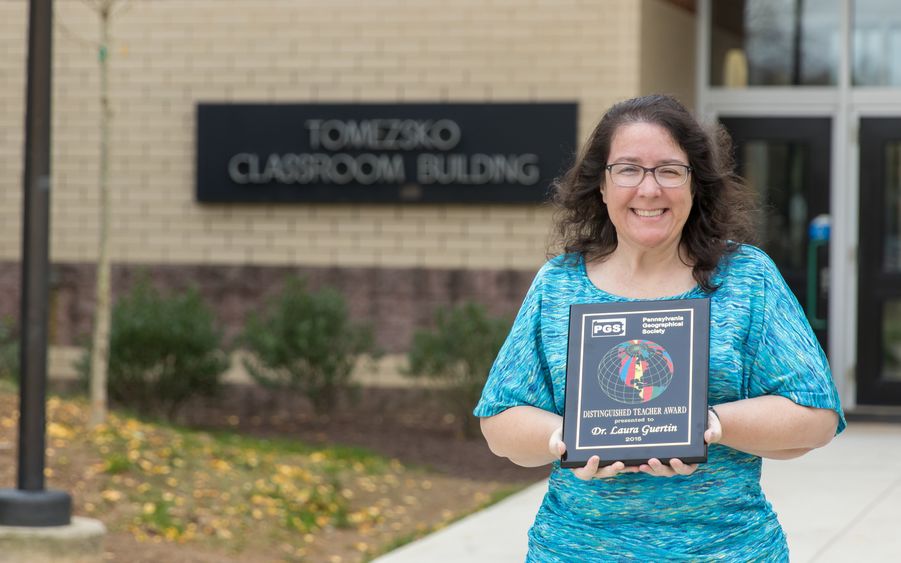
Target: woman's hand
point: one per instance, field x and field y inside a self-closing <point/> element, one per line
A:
<point x="712" y="435"/>
<point x="591" y="470"/>
<point x="714" y="432"/>
<point x="657" y="468"/>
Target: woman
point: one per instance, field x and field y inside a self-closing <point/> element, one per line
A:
<point x="652" y="210"/>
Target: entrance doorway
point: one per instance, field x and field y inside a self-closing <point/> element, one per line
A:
<point x="879" y="268"/>
<point x="787" y="162"/>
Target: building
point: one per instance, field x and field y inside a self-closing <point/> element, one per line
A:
<point x="810" y="90"/>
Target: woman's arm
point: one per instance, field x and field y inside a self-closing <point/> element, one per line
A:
<point x="522" y="434"/>
<point x="772" y="426"/>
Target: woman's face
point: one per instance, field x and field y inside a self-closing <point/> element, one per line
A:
<point x="646" y="217"/>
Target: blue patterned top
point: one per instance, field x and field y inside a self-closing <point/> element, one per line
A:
<point x="760" y="343"/>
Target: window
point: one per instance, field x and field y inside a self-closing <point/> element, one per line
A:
<point x="775" y="42"/>
<point x="877" y="43"/>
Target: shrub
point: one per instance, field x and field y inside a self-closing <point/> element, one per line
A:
<point x="164" y="350"/>
<point x="9" y="349"/>
<point x="459" y="353"/>
<point x="304" y="341"/>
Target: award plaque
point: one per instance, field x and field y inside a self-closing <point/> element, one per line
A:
<point x="636" y="382"/>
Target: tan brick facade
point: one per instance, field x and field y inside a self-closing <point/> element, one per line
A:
<point x="169" y="55"/>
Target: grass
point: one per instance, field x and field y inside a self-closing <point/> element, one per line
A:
<point x="276" y="498"/>
<point x="192" y="485"/>
<point x="8" y="386"/>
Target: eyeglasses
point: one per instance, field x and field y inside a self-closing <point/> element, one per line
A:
<point x="630" y="175"/>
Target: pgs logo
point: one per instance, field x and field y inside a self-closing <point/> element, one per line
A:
<point x="608" y="327"/>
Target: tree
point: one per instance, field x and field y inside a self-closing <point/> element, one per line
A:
<point x="102" y="311"/>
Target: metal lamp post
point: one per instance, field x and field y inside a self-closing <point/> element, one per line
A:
<point x="31" y="504"/>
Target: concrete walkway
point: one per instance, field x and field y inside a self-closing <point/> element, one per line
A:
<point x="837" y="504"/>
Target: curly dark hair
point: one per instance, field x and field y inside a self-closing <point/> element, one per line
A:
<point x="723" y="209"/>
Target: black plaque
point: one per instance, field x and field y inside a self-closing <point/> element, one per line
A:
<point x="636" y="382"/>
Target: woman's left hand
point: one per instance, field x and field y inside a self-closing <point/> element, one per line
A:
<point x="657" y="468"/>
<point x="714" y="432"/>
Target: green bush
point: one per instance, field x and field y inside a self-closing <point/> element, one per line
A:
<point x="458" y="353"/>
<point x="164" y="350"/>
<point x="9" y="349"/>
<point x="305" y="341"/>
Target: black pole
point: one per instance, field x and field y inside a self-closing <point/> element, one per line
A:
<point x="31" y="504"/>
<point x="797" y="44"/>
<point x="35" y="250"/>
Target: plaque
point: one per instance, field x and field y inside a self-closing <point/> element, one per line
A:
<point x="636" y="382"/>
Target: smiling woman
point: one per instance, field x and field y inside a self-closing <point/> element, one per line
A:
<point x="630" y="157"/>
<point x="646" y="214"/>
<point x="651" y="210"/>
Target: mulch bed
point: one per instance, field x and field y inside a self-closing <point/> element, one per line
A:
<point x="409" y="424"/>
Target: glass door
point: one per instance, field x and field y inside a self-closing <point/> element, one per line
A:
<point x="879" y="282"/>
<point x="787" y="162"/>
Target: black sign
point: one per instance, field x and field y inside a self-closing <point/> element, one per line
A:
<point x="381" y="152"/>
<point x="636" y="382"/>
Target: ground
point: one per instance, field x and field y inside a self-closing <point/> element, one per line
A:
<point x="412" y="425"/>
<point x="444" y="475"/>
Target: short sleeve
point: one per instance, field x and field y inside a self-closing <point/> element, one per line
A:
<point x="789" y="360"/>
<point x="520" y="374"/>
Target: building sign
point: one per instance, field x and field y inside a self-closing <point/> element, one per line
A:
<point x="382" y="152"/>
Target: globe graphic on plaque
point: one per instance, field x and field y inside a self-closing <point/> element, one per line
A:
<point x="635" y="371"/>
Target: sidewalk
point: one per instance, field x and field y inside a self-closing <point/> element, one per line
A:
<point x="836" y="504"/>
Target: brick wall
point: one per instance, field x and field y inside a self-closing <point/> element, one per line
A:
<point x="667" y="59"/>
<point x="168" y="55"/>
<point x="395" y="301"/>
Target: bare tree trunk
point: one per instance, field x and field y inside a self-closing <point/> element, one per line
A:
<point x="102" y="311"/>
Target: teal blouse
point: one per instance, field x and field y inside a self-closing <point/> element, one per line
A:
<point x="760" y="344"/>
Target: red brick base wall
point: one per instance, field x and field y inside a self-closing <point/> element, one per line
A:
<point x="395" y="301"/>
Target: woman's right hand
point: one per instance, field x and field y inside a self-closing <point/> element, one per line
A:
<point x="592" y="469"/>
